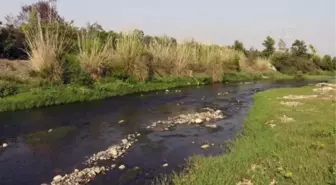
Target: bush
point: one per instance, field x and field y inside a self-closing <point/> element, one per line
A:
<point x="7" y="89"/>
<point x="290" y="64"/>
<point x="73" y="73"/>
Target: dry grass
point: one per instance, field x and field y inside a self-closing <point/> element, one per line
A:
<point x="129" y="52"/>
<point x="290" y="103"/>
<point x="16" y="68"/>
<point x="94" y="54"/>
<point x="286" y="119"/>
<point x="171" y="59"/>
<point x="46" y="44"/>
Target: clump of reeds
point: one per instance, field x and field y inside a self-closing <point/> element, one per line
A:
<point x="95" y="55"/>
<point x="129" y="53"/>
<point x="45" y="44"/>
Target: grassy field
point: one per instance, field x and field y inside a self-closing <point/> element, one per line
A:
<point x="285" y="141"/>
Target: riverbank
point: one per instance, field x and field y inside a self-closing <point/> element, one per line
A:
<point x="288" y="138"/>
<point x="18" y="95"/>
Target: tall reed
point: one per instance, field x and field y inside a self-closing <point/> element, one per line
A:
<point x="129" y="52"/>
<point x="46" y="43"/>
<point x="95" y="55"/>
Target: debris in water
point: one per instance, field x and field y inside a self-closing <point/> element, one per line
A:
<point x="165" y="165"/>
<point x="121" y="121"/>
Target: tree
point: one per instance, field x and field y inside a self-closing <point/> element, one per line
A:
<point x="333" y="63"/>
<point x="253" y="53"/>
<point x="239" y="46"/>
<point x="282" y="45"/>
<point x="328" y="63"/>
<point x="312" y="49"/>
<point x="299" y="48"/>
<point x="45" y="10"/>
<point x="269" y="46"/>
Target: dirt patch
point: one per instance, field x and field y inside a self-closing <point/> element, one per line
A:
<point x="299" y="97"/>
<point x="290" y="103"/>
<point x="286" y="119"/>
<point x="245" y="182"/>
<point x="325" y="88"/>
<point x="326" y="85"/>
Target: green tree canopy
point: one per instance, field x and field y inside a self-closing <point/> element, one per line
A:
<point x="239" y="46"/>
<point x="282" y="45"/>
<point x="299" y="48"/>
<point x="269" y="46"/>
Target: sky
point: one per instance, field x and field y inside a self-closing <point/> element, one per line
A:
<point x="209" y="21"/>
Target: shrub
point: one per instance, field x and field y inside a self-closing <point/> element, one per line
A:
<point x="73" y="73"/>
<point x="8" y="89"/>
<point x="289" y="64"/>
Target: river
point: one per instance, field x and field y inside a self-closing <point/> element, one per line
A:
<point x="49" y="141"/>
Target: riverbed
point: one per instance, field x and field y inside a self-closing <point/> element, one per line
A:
<point x="46" y="142"/>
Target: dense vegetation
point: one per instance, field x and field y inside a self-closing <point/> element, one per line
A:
<point x="62" y="54"/>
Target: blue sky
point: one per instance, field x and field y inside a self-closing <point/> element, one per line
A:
<point x="211" y="21"/>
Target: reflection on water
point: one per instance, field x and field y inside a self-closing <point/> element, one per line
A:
<point x="36" y="154"/>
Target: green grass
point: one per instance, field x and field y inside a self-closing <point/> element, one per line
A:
<point x="298" y="152"/>
<point x="26" y="95"/>
<point x="63" y="94"/>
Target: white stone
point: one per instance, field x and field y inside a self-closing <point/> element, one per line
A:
<point x="4" y="145"/>
<point x="165" y="165"/>
<point x="198" y="120"/>
<point x="138" y="134"/>
<point x="50" y="130"/>
<point x="205" y="146"/>
<point x="207" y="119"/>
<point x="113" y="151"/>
<point x="121" y="121"/>
<point x="218" y="111"/>
<point x="211" y="125"/>
<point x="121" y="167"/>
<point x="97" y="170"/>
<point x="57" y="178"/>
<point x="124" y="141"/>
<point x="76" y="170"/>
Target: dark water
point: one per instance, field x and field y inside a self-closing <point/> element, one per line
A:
<point x="35" y="156"/>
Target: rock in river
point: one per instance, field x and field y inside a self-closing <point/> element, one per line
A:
<point x="121" y="167"/>
<point x="57" y="178"/>
<point x="198" y="120"/>
<point x="205" y="146"/>
<point x="211" y="125"/>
